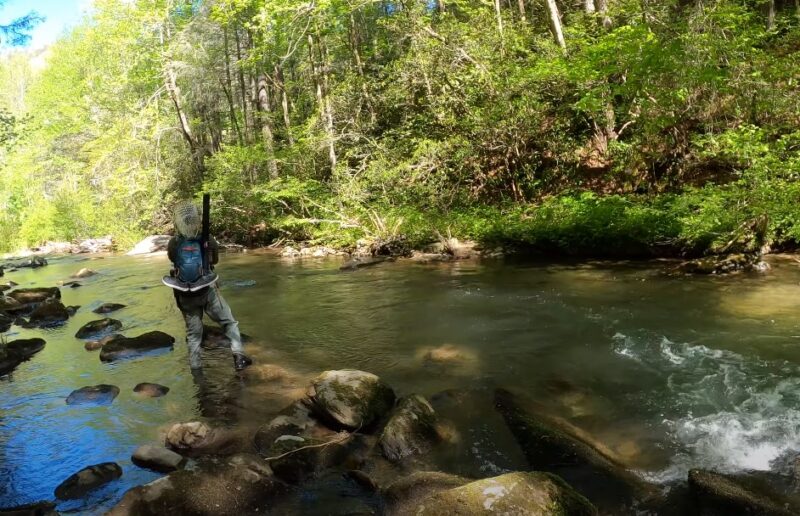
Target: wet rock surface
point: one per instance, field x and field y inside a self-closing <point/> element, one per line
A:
<point x="152" y="390"/>
<point x="17" y="351"/>
<point x="121" y="347"/>
<point x="84" y="273"/>
<point x="94" y="345"/>
<point x="532" y="493"/>
<point x="349" y="399"/>
<point x="716" y="494"/>
<point x="107" y="308"/>
<point x="214" y="337"/>
<point x="99" y="328"/>
<point x="411" y="429"/>
<point x="404" y="495"/>
<point x="196" y="438"/>
<point x="34" y="295"/>
<point x="88" y="479"/>
<point x="51" y="312"/>
<point x="102" y="394"/>
<point x="157" y="458"/>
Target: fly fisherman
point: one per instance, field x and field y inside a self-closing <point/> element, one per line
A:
<point x="193" y="253"/>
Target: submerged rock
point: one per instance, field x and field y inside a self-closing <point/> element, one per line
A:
<point x="94" y="345"/>
<point x="84" y="273"/>
<point x="716" y="494"/>
<point x="349" y="399"/>
<point x="532" y="493"/>
<point x="51" y="312"/>
<point x="99" y="328"/>
<point x="157" y="458"/>
<point x="107" y="308"/>
<point x="404" y="495"/>
<point x="9" y="304"/>
<point x="88" y="479"/>
<point x="552" y="444"/>
<point x="411" y="429"/>
<point x="360" y="263"/>
<point x="124" y="347"/>
<point x="102" y="394"/>
<point x="152" y="390"/>
<point x="242" y="484"/>
<point x="214" y="337"/>
<point x="30" y="263"/>
<point x="30" y="509"/>
<point x="34" y="295"/>
<point x="17" y="351"/>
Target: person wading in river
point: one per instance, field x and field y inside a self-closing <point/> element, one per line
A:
<point x="194" y="284"/>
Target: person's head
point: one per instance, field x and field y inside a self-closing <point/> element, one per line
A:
<point x="187" y="219"/>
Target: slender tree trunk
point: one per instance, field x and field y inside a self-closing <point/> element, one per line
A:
<point x="588" y="6"/>
<point x="499" y="17"/>
<point x="770" y="14"/>
<point x="354" y="43"/>
<point x="322" y="101"/>
<point x="555" y="23"/>
<point x="521" y="9"/>
<point x="248" y="119"/>
<point x="266" y="125"/>
<point x="605" y="19"/>
<point x="442" y="8"/>
<point x="278" y="77"/>
<point x="228" y="87"/>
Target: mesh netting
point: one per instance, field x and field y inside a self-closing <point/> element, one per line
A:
<point x="188" y="221"/>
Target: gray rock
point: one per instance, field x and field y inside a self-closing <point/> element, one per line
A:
<point x="107" y="308"/>
<point x="349" y="399"/>
<point x="84" y="273"/>
<point x="411" y="429"/>
<point x="152" y="390"/>
<point x="533" y="493"/>
<point x="716" y="494"/>
<point x="102" y="394"/>
<point x="125" y="347"/>
<point x="151" y="244"/>
<point x="552" y="444"/>
<point x="157" y="458"/>
<point x="88" y="479"/>
<point x="242" y="484"/>
<point x="99" y="328"/>
<point x="196" y="438"/>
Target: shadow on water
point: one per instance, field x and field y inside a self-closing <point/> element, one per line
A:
<point x="669" y="373"/>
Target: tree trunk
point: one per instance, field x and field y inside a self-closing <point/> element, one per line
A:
<point x="248" y="119"/>
<point x="770" y="14"/>
<point x="278" y="77"/>
<point x="320" y="93"/>
<point x="555" y="23"/>
<point x="266" y="125"/>
<point x="354" y="43"/>
<point x="588" y="6"/>
<point x="605" y="19"/>
<point x="521" y="8"/>
<point x="499" y="17"/>
<point x="228" y="88"/>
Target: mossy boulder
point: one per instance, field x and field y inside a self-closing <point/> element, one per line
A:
<point x="411" y="429"/>
<point x="99" y="328"/>
<point x="125" y="347"/>
<point x="88" y="479"/>
<point x="554" y="445"/>
<point x="716" y="494"/>
<point x="405" y="494"/>
<point x="349" y="399"/>
<point x="519" y="493"/>
<point x="241" y="484"/>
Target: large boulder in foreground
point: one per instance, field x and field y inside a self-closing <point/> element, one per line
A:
<point x="241" y="484"/>
<point x="554" y="445"/>
<point x="532" y="493"/>
<point x="411" y="429"/>
<point x="151" y="244"/>
<point x="405" y="494"/>
<point x="124" y="347"/>
<point x="349" y="399"/>
<point x="99" y="328"/>
<point x="716" y="494"/>
<point x="88" y="479"/>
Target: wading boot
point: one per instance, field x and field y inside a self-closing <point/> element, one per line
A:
<point x="240" y="361"/>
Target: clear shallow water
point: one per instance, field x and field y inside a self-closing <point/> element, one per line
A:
<point x="671" y="373"/>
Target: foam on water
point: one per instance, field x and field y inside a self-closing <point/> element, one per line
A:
<point x="723" y="410"/>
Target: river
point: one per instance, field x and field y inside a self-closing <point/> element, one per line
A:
<point x="669" y="372"/>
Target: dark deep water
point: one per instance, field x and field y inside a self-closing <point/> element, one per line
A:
<point x="669" y="372"/>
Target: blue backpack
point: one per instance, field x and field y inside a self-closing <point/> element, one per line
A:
<point x="189" y="260"/>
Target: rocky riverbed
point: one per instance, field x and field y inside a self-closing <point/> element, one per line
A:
<point x="415" y="416"/>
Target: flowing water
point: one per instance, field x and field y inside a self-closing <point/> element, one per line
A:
<point x="669" y="372"/>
